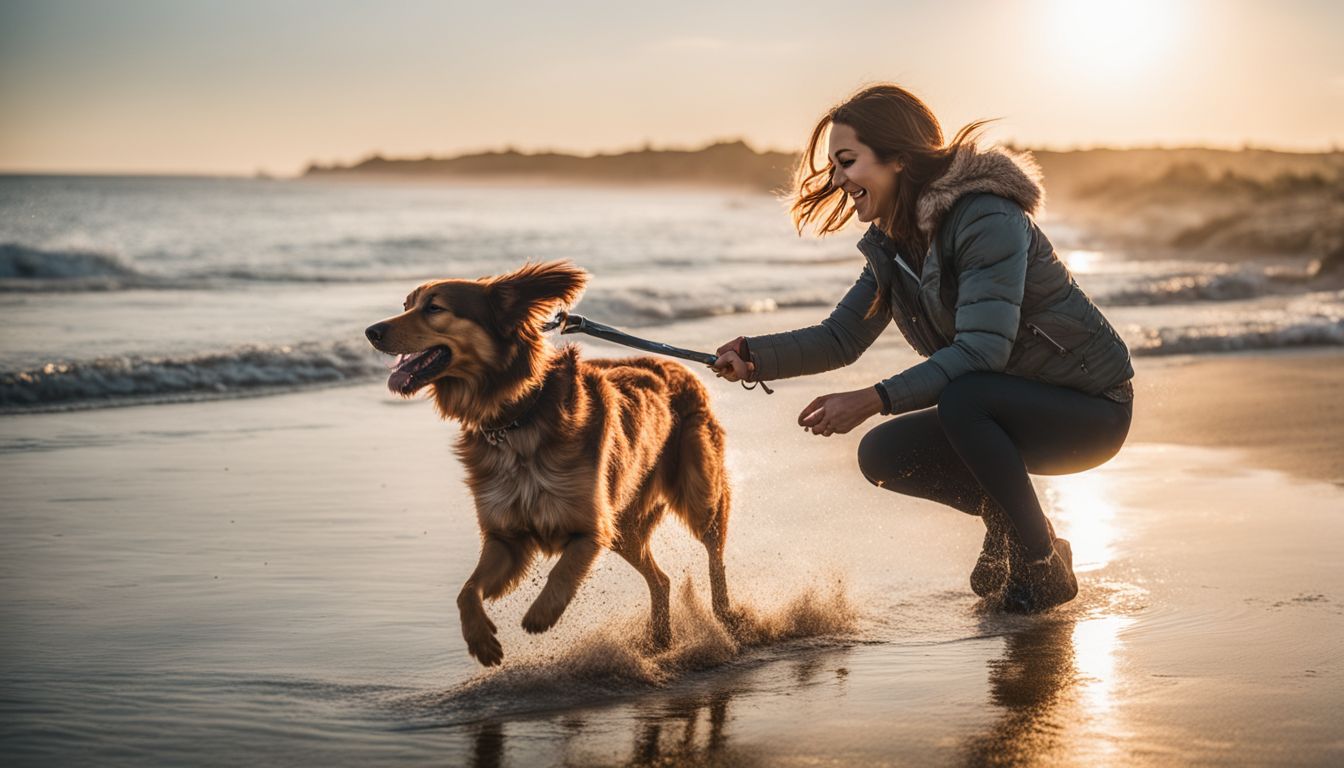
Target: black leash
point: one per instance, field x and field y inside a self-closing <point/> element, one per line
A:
<point x="568" y="323"/>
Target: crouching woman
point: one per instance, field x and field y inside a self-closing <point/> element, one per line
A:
<point x="1023" y="373"/>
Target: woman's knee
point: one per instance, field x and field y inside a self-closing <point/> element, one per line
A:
<point x="888" y="459"/>
<point x="872" y="462"/>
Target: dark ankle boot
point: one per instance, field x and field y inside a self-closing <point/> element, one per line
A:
<point x="991" y="568"/>
<point x="1038" y="585"/>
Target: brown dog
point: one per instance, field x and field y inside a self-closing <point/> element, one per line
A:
<point x="564" y="456"/>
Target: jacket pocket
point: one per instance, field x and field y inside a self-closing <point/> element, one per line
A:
<point x="1059" y="348"/>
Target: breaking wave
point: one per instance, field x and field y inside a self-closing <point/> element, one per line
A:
<point x="34" y="270"/>
<point x="647" y="306"/>
<point x="1321" y="331"/>
<point x="1182" y="289"/>
<point x="24" y="268"/>
<point x="128" y="380"/>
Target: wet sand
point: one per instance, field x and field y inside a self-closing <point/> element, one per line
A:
<point x="1283" y="407"/>
<point x="272" y="580"/>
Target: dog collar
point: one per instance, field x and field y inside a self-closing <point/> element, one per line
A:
<point x="523" y="409"/>
<point x="495" y="435"/>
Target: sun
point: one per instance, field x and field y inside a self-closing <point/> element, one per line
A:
<point x="1108" y="39"/>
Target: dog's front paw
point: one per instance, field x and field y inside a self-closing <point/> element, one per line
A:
<point x="482" y="643"/>
<point x="542" y="615"/>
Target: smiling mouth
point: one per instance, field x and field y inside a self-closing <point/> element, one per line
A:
<point x="413" y="371"/>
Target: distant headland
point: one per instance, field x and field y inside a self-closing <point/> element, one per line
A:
<point x="728" y="163"/>
<point x="735" y="163"/>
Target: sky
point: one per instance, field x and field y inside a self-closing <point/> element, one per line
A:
<point x="188" y="86"/>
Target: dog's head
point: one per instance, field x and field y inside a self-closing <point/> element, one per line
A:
<point x="475" y="334"/>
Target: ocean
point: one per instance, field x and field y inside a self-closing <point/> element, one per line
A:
<point x="118" y="290"/>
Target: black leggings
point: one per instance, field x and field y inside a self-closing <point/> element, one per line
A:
<point x="974" y="449"/>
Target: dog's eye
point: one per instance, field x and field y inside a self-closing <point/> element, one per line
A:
<point x="431" y="308"/>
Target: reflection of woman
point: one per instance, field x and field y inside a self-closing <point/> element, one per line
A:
<point x="1032" y="684"/>
<point x="1023" y="372"/>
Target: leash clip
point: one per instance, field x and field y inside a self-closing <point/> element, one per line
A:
<point x="561" y="321"/>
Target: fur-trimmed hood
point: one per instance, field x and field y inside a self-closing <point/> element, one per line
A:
<point x="998" y="171"/>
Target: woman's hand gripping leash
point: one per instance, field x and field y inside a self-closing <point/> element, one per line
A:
<point x="734" y="364"/>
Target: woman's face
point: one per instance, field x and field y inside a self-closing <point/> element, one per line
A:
<point x="868" y="181"/>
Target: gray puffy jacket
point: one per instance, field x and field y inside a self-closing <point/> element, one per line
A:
<point x="991" y="296"/>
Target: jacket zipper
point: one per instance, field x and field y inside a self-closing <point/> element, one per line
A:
<point x="907" y="268"/>
<point x="1062" y="349"/>
<point x="1038" y="332"/>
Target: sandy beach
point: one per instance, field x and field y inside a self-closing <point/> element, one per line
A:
<point x="272" y="580"/>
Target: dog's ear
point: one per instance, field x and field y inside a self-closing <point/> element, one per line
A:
<point x="413" y="297"/>
<point x="533" y="293"/>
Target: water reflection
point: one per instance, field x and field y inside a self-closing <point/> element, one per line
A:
<point x="1027" y="682"/>
<point x="488" y="750"/>
<point x="1055" y="686"/>
<point x="1083" y="513"/>
<point x="690" y="729"/>
<point x="1095" y="642"/>
<point x="672" y="734"/>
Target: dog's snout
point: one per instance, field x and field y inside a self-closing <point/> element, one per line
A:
<point x="374" y="333"/>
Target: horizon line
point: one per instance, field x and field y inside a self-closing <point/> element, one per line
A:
<point x="647" y="146"/>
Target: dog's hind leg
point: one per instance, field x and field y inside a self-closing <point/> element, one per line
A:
<point x="564" y="580"/>
<point x="503" y="562"/>
<point x="701" y="497"/>
<point x="713" y="539"/>
<point x="635" y="549"/>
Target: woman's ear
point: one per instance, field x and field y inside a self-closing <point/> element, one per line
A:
<point x="533" y="293"/>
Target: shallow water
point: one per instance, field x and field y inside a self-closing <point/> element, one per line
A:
<point x="272" y="580"/>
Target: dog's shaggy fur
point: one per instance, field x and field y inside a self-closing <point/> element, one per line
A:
<point x="564" y="456"/>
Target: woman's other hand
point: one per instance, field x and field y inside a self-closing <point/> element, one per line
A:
<point x="838" y="413"/>
<point x="730" y="363"/>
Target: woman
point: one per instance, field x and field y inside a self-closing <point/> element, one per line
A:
<point x="1023" y="374"/>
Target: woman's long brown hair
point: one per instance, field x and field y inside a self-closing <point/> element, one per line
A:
<point x="897" y="126"/>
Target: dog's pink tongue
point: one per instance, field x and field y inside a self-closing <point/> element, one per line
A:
<point x="403" y="370"/>
<point x="398" y="381"/>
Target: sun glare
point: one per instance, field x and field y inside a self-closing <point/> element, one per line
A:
<point x="1101" y="38"/>
<point x="1082" y="510"/>
<point x="1081" y="262"/>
